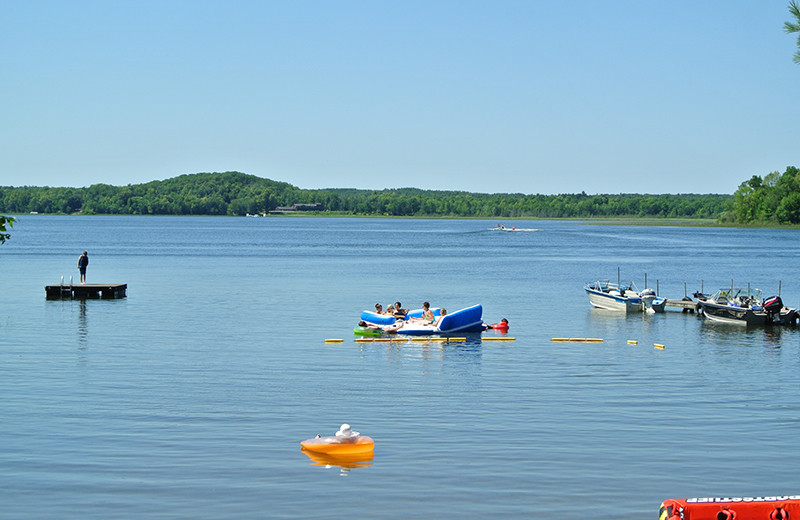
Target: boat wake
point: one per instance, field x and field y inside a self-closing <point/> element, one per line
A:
<point x="515" y="229"/>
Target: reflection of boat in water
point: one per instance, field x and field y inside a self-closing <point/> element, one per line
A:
<point x="344" y="461"/>
<point x="623" y="296"/>
<point x="746" y="307"/>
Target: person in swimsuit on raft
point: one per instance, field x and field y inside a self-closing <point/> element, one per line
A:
<point x="427" y="314"/>
<point x="442" y="314"/>
<point x="385" y="328"/>
<point x="399" y="311"/>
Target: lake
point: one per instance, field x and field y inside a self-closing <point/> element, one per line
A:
<point x="189" y="397"/>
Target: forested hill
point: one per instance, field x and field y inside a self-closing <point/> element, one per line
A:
<point x="234" y="193"/>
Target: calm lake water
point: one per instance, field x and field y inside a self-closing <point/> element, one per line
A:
<point x="188" y="398"/>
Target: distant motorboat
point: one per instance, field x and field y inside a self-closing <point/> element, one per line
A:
<point x="501" y="227"/>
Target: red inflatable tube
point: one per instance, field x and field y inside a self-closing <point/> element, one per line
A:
<point x="732" y="508"/>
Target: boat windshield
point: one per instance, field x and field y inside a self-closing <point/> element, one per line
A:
<point x="738" y="295"/>
<point x="608" y="286"/>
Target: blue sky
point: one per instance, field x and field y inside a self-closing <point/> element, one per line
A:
<point x="538" y="96"/>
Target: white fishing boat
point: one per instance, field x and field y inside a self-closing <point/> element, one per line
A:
<point x="621" y="296"/>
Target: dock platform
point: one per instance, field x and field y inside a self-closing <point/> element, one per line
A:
<point x="86" y="291"/>
<point x="684" y="305"/>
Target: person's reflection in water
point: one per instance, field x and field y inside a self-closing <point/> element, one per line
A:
<point x="83" y="328"/>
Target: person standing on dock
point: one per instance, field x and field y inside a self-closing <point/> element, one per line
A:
<point x="83" y="263"/>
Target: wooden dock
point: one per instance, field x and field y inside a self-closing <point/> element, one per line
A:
<point x="86" y="291"/>
<point x="684" y="305"/>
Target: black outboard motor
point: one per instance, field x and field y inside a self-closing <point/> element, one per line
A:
<point x="772" y="306"/>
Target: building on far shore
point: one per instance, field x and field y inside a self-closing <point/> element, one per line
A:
<point x="298" y="207"/>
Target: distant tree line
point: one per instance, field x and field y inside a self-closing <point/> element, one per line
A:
<point x="234" y="193"/>
<point x="773" y="199"/>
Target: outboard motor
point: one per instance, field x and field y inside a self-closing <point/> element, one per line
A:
<point x="772" y="306"/>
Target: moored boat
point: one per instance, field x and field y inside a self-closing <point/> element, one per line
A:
<point x="622" y="296"/>
<point x="745" y="306"/>
<point x="652" y="302"/>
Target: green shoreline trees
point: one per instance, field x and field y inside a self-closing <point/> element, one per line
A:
<point x="235" y="193"/>
<point x="771" y="200"/>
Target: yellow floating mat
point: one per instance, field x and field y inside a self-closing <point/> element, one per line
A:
<point x="579" y="340"/>
<point x="560" y="339"/>
<point x="419" y="339"/>
<point x="456" y="339"/>
<point x="363" y="340"/>
<point x="594" y="340"/>
<point x="498" y="339"/>
<point x="399" y="340"/>
<point x="632" y="342"/>
<point x="658" y="346"/>
<point x="381" y="340"/>
<point x="437" y="339"/>
<point x="333" y="341"/>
